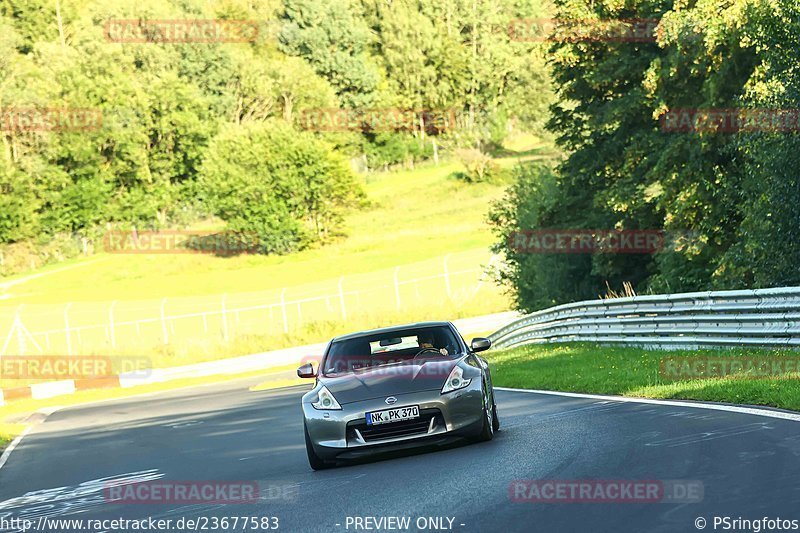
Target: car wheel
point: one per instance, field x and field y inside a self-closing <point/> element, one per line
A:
<point x="313" y="459"/>
<point x="487" y="431"/>
<point x="495" y="420"/>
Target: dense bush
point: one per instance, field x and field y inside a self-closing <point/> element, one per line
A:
<point x="478" y="166"/>
<point x="392" y="148"/>
<point x="278" y="188"/>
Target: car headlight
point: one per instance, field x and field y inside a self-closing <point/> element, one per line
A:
<point x="325" y="400"/>
<point x="455" y="380"/>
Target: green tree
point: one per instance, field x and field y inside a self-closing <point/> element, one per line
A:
<point x="766" y="249"/>
<point x="276" y="187"/>
<point x="334" y="40"/>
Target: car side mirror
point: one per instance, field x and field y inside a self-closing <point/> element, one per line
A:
<point x="306" y="371"/>
<point x="480" y="344"/>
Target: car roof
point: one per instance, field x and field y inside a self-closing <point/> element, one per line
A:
<point x="390" y="329"/>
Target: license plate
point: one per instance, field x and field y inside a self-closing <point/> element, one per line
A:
<point x="392" y="415"/>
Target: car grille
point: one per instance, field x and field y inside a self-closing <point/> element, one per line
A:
<point x="394" y="430"/>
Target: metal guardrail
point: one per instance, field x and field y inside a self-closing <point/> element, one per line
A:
<point x="760" y="317"/>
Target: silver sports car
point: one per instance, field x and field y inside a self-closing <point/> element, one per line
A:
<point x="397" y="387"/>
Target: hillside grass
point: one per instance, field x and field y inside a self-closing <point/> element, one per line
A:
<point x="635" y="372"/>
<point x="414" y="221"/>
<point x="414" y="215"/>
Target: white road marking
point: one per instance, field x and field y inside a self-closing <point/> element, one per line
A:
<point x="14" y="444"/>
<point x="47" y="411"/>
<point x="185" y="424"/>
<point x="674" y="403"/>
<point x="694" y="438"/>
<point x="73" y="499"/>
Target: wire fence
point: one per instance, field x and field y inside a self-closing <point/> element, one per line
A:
<point x="118" y="326"/>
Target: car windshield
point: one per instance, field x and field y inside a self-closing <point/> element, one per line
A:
<point x="370" y="351"/>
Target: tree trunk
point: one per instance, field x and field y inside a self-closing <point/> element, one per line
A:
<point x="7" y="149"/>
<point x="288" y="108"/>
<point x="60" y="25"/>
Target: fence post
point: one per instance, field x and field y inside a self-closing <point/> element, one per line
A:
<point x="283" y="311"/>
<point x="224" y="319"/>
<point x="22" y="333"/>
<point x="484" y="273"/>
<point x="446" y="275"/>
<point x="397" y="287"/>
<point x="341" y="298"/>
<point x="66" y="328"/>
<point x="164" y="320"/>
<point x="112" y="329"/>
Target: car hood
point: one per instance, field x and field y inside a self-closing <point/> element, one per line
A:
<point x="390" y="380"/>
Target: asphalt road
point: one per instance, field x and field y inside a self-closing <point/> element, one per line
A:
<point x="749" y="466"/>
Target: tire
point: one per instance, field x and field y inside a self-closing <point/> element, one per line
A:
<point x="495" y="420"/>
<point x="314" y="460"/>
<point x="487" y="430"/>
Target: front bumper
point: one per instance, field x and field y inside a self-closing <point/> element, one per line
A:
<point x="341" y="433"/>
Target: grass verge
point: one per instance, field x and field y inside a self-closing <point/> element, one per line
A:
<point x="635" y="372"/>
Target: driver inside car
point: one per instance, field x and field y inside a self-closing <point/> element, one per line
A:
<point x="426" y="340"/>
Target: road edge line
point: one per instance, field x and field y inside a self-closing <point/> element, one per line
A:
<point x="46" y="411"/>
<point x="672" y="403"/>
<point x="14" y="443"/>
